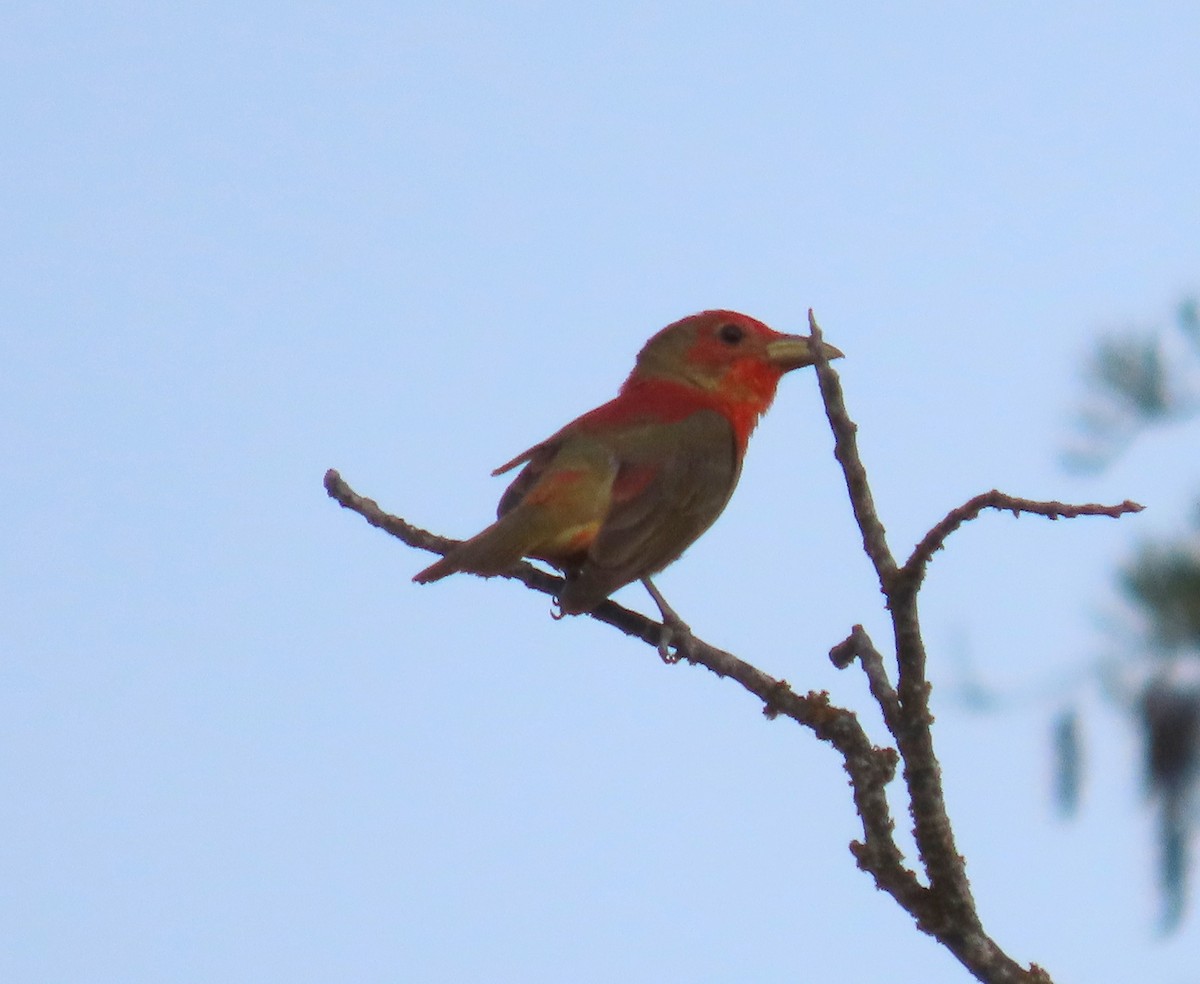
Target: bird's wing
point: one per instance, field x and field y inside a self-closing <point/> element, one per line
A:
<point x="673" y="482"/>
<point x="552" y="510"/>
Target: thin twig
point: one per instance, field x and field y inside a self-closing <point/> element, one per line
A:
<point x="870" y="768"/>
<point x="933" y="541"/>
<point x="944" y="908"/>
<point x="957" y="924"/>
<point x="858" y="645"/>
<point x="845" y="449"/>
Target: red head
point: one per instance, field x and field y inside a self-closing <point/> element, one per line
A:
<point x="731" y="357"/>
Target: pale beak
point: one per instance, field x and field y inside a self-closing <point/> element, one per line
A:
<point x="796" y="351"/>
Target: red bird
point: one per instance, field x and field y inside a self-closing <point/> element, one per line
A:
<point x="618" y="494"/>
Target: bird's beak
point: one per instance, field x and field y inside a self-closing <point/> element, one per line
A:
<point x="796" y="351"/>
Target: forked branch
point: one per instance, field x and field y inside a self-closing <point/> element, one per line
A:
<point x="940" y="899"/>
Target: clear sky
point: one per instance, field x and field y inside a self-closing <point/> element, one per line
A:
<point x="243" y="243"/>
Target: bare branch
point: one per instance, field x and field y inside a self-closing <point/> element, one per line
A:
<point x="870" y="768"/>
<point x="943" y="907"/>
<point x="414" y="536"/>
<point x="858" y="645"/>
<point x="922" y="774"/>
<point x="934" y="540"/>
<point x="814" y="711"/>
<point x="845" y="449"/>
<point x="957" y="924"/>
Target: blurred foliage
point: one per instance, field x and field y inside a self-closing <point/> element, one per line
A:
<point x="1170" y="719"/>
<point x="1136" y="380"/>
<point x="1131" y="371"/>
<point x="1163" y="581"/>
<point x="1068" y="761"/>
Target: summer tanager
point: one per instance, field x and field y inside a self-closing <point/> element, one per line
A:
<point x="618" y="494"/>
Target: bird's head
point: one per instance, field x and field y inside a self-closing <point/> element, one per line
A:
<point x="732" y="356"/>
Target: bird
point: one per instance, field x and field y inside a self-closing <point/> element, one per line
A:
<point x="622" y="491"/>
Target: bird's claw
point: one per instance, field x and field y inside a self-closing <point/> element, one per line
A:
<point x="675" y="631"/>
<point x="664" y="645"/>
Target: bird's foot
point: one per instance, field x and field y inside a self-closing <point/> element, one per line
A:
<point x="675" y="631"/>
<point x="673" y="634"/>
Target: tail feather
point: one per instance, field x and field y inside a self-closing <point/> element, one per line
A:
<point x="436" y="571"/>
<point x="493" y="551"/>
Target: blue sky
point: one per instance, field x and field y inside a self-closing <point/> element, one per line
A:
<point x="243" y="243"/>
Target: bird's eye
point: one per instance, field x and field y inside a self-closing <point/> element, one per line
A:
<point x="730" y="334"/>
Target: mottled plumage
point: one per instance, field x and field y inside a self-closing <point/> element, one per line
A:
<point x="620" y="492"/>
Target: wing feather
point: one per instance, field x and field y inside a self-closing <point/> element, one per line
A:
<point x="673" y="482"/>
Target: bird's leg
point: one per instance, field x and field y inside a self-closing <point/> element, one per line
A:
<point x="675" y="629"/>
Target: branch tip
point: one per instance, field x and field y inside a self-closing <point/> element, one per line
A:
<point x="914" y="568"/>
<point x="943" y="907"/>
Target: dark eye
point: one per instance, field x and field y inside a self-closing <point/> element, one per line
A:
<point x="730" y="334"/>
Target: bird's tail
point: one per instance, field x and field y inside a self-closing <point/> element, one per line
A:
<point x="493" y="551"/>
